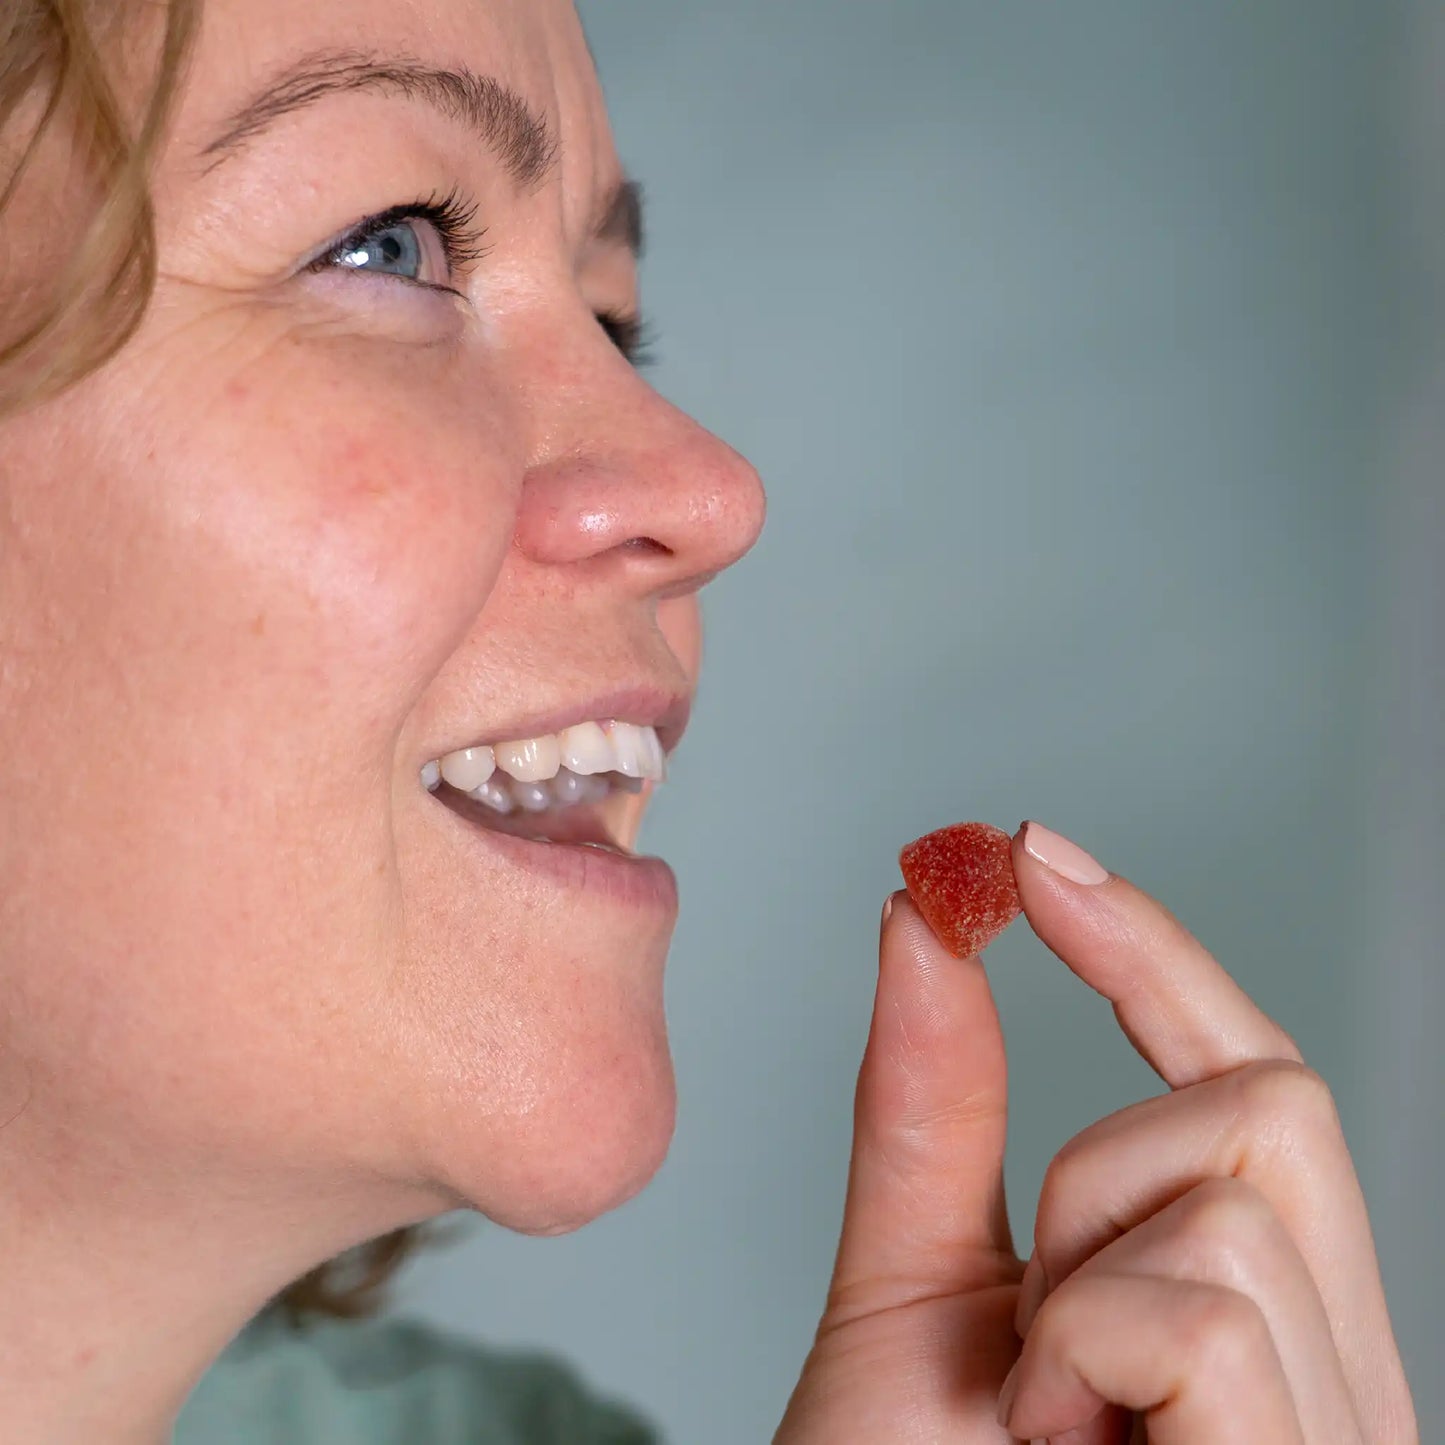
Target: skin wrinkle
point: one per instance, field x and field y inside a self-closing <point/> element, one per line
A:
<point x="299" y="530"/>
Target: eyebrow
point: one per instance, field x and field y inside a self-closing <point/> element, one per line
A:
<point x="507" y="125"/>
<point x="620" y="218"/>
<point x="521" y="138"/>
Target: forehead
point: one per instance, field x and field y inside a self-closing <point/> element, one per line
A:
<point x="533" y="47"/>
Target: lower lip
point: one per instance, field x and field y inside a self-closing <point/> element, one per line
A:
<point x="624" y="878"/>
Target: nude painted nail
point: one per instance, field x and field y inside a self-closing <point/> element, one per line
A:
<point x="1033" y="1291"/>
<point x="1006" y="1395"/>
<point x="1060" y="856"/>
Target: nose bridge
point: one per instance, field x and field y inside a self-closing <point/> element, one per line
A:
<point x="621" y="469"/>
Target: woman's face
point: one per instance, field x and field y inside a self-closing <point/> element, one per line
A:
<point x="314" y="527"/>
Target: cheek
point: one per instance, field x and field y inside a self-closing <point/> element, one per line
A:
<point x="680" y="619"/>
<point x="289" y="607"/>
<point x="380" y="525"/>
<point x="229" y="597"/>
<point x="314" y="529"/>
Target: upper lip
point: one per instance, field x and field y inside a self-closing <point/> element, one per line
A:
<point x="645" y="705"/>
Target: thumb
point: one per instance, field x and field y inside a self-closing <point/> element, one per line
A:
<point x="925" y="1212"/>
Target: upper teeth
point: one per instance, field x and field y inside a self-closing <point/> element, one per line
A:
<point x="585" y="749"/>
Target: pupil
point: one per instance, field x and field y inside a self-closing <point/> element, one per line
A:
<point x="395" y="251"/>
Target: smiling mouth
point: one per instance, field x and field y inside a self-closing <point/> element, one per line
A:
<point x="569" y="787"/>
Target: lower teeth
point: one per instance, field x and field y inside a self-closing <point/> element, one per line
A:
<point x="506" y="795"/>
<point x="494" y="796"/>
<point x="533" y="797"/>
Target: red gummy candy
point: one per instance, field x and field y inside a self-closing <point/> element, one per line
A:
<point x="962" y="881"/>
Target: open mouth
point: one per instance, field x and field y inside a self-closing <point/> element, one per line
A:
<point x="568" y="787"/>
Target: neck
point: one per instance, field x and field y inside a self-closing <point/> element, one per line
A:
<point x="124" y="1283"/>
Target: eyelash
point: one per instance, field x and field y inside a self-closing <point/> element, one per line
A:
<point x="634" y="337"/>
<point x="449" y="215"/>
<point x="452" y="217"/>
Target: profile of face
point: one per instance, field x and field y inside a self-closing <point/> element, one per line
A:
<point x="374" y="482"/>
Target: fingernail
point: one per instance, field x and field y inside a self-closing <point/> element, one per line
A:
<point x="887" y="909"/>
<point x="1066" y="859"/>
<point x="1007" y="1391"/>
<point x="1033" y="1290"/>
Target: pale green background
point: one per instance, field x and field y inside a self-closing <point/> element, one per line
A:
<point x="1066" y="336"/>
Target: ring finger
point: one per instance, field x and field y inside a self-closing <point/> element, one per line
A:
<point x="1226" y="1244"/>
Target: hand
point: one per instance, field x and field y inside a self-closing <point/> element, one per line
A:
<point x="1203" y="1270"/>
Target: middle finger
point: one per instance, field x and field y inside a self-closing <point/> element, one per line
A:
<point x="1272" y="1125"/>
<point x="1224" y="1234"/>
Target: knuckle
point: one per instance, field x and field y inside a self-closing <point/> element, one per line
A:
<point x="1288" y="1049"/>
<point x="1075" y="1213"/>
<point x="1059" y="1319"/>
<point x="1283" y="1093"/>
<point x="1225" y="1333"/>
<point x="1061" y="1182"/>
<point x="1230" y="1228"/>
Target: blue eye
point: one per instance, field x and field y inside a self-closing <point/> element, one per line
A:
<point x="396" y="251"/>
<point x="433" y="236"/>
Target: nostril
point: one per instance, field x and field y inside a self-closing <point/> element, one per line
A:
<point x="649" y="546"/>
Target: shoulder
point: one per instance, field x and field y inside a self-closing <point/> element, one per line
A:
<point x="376" y="1381"/>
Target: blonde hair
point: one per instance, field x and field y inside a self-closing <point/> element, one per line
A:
<point x="54" y="82"/>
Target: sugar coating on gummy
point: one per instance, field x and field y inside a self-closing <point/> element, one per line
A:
<point x="961" y="879"/>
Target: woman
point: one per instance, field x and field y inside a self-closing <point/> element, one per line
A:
<point x="348" y="578"/>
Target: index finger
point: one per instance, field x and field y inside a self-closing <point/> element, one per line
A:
<point x="1184" y="1014"/>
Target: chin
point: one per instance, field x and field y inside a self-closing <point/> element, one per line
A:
<point x="601" y="1165"/>
<point x="587" y="1138"/>
<point x="616" y="1180"/>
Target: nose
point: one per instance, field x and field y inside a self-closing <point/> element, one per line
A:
<point x="625" y="480"/>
